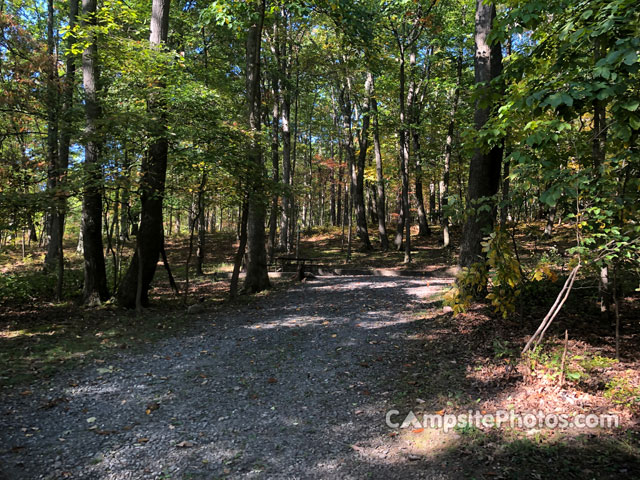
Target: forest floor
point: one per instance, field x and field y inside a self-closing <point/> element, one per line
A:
<point x="297" y="382"/>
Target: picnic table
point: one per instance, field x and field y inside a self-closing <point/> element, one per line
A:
<point x="287" y="261"/>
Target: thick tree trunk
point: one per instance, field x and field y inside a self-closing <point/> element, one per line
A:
<point x="95" y="276"/>
<point x="356" y="166"/>
<point x="257" y="278"/>
<point x="484" y="170"/>
<point x="153" y="174"/>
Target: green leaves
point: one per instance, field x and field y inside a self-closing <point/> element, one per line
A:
<point x="551" y="195"/>
<point x="630" y="104"/>
<point x="557" y="99"/>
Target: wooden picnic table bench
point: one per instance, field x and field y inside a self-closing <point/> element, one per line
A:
<point x="299" y="262"/>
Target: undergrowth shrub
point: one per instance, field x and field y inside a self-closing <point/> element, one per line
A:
<point x="35" y="285"/>
<point x="501" y="278"/>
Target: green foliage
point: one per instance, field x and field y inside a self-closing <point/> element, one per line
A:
<point x="32" y="285"/>
<point x="506" y="277"/>
<point x="501" y="349"/>
<point x="576" y="58"/>
<point x="622" y="391"/>
<point x="501" y="275"/>
<point x="547" y="363"/>
<point x="596" y="362"/>
<point x="470" y="283"/>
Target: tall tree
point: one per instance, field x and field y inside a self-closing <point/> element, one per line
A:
<point x="485" y="166"/>
<point x="406" y="34"/>
<point x="257" y="278"/>
<point x="68" y="88"/>
<point x="95" y="276"/>
<point x="275" y="142"/>
<point x="285" y="62"/>
<point x="448" y="148"/>
<point x="380" y="197"/>
<point x="413" y="109"/>
<point x="357" y="169"/>
<point x="53" y="170"/>
<point x="149" y="239"/>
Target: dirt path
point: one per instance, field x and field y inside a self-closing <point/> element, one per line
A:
<point x="293" y="386"/>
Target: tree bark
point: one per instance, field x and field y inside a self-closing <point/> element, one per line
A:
<point x="95" y="276"/>
<point x="202" y="226"/>
<point x="275" y="165"/>
<point x="257" y="278"/>
<point x="152" y="183"/>
<point x="414" y="122"/>
<point x="54" y="219"/>
<point x="447" y="153"/>
<point x="404" y="163"/>
<point x="380" y="197"/>
<point x="397" y="241"/>
<point x="285" y="114"/>
<point x="363" y="139"/>
<point x="356" y="166"/>
<point x="242" y="247"/>
<point x="484" y="170"/>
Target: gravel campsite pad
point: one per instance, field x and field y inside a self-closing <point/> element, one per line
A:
<point x="294" y="385"/>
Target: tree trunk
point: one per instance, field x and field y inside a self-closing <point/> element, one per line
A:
<point x="404" y="163"/>
<point x="447" y="154"/>
<point x="381" y="201"/>
<point x="242" y="246"/>
<point x="339" y="203"/>
<point x="356" y="166"/>
<point x="397" y="241"/>
<point x="125" y="211"/>
<point x="414" y="122"/>
<point x="361" y="214"/>
<point x="54" y="227"/>
<point x="95" y="276"/>
<point x="275" y="164"/>
<point x="152" y="183"/>
<point x="202" y="226"/>
<point x="551" y="217"/>
<point x="257" y="278"/>
<point x="285" y="113"/>
<point x="484" y="170"/>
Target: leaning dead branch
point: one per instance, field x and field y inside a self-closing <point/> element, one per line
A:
<point x="554" y="310"/>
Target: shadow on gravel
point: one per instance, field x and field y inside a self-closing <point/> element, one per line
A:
<point x="295" y="386"/>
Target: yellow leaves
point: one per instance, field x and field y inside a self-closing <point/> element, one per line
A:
<point x="542" y="271"/>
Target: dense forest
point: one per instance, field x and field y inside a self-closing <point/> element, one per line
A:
<point x="125" y="121"/>
<point x="158" y="154"/>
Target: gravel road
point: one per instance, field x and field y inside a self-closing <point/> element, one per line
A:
<point x="294" y="385"/>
